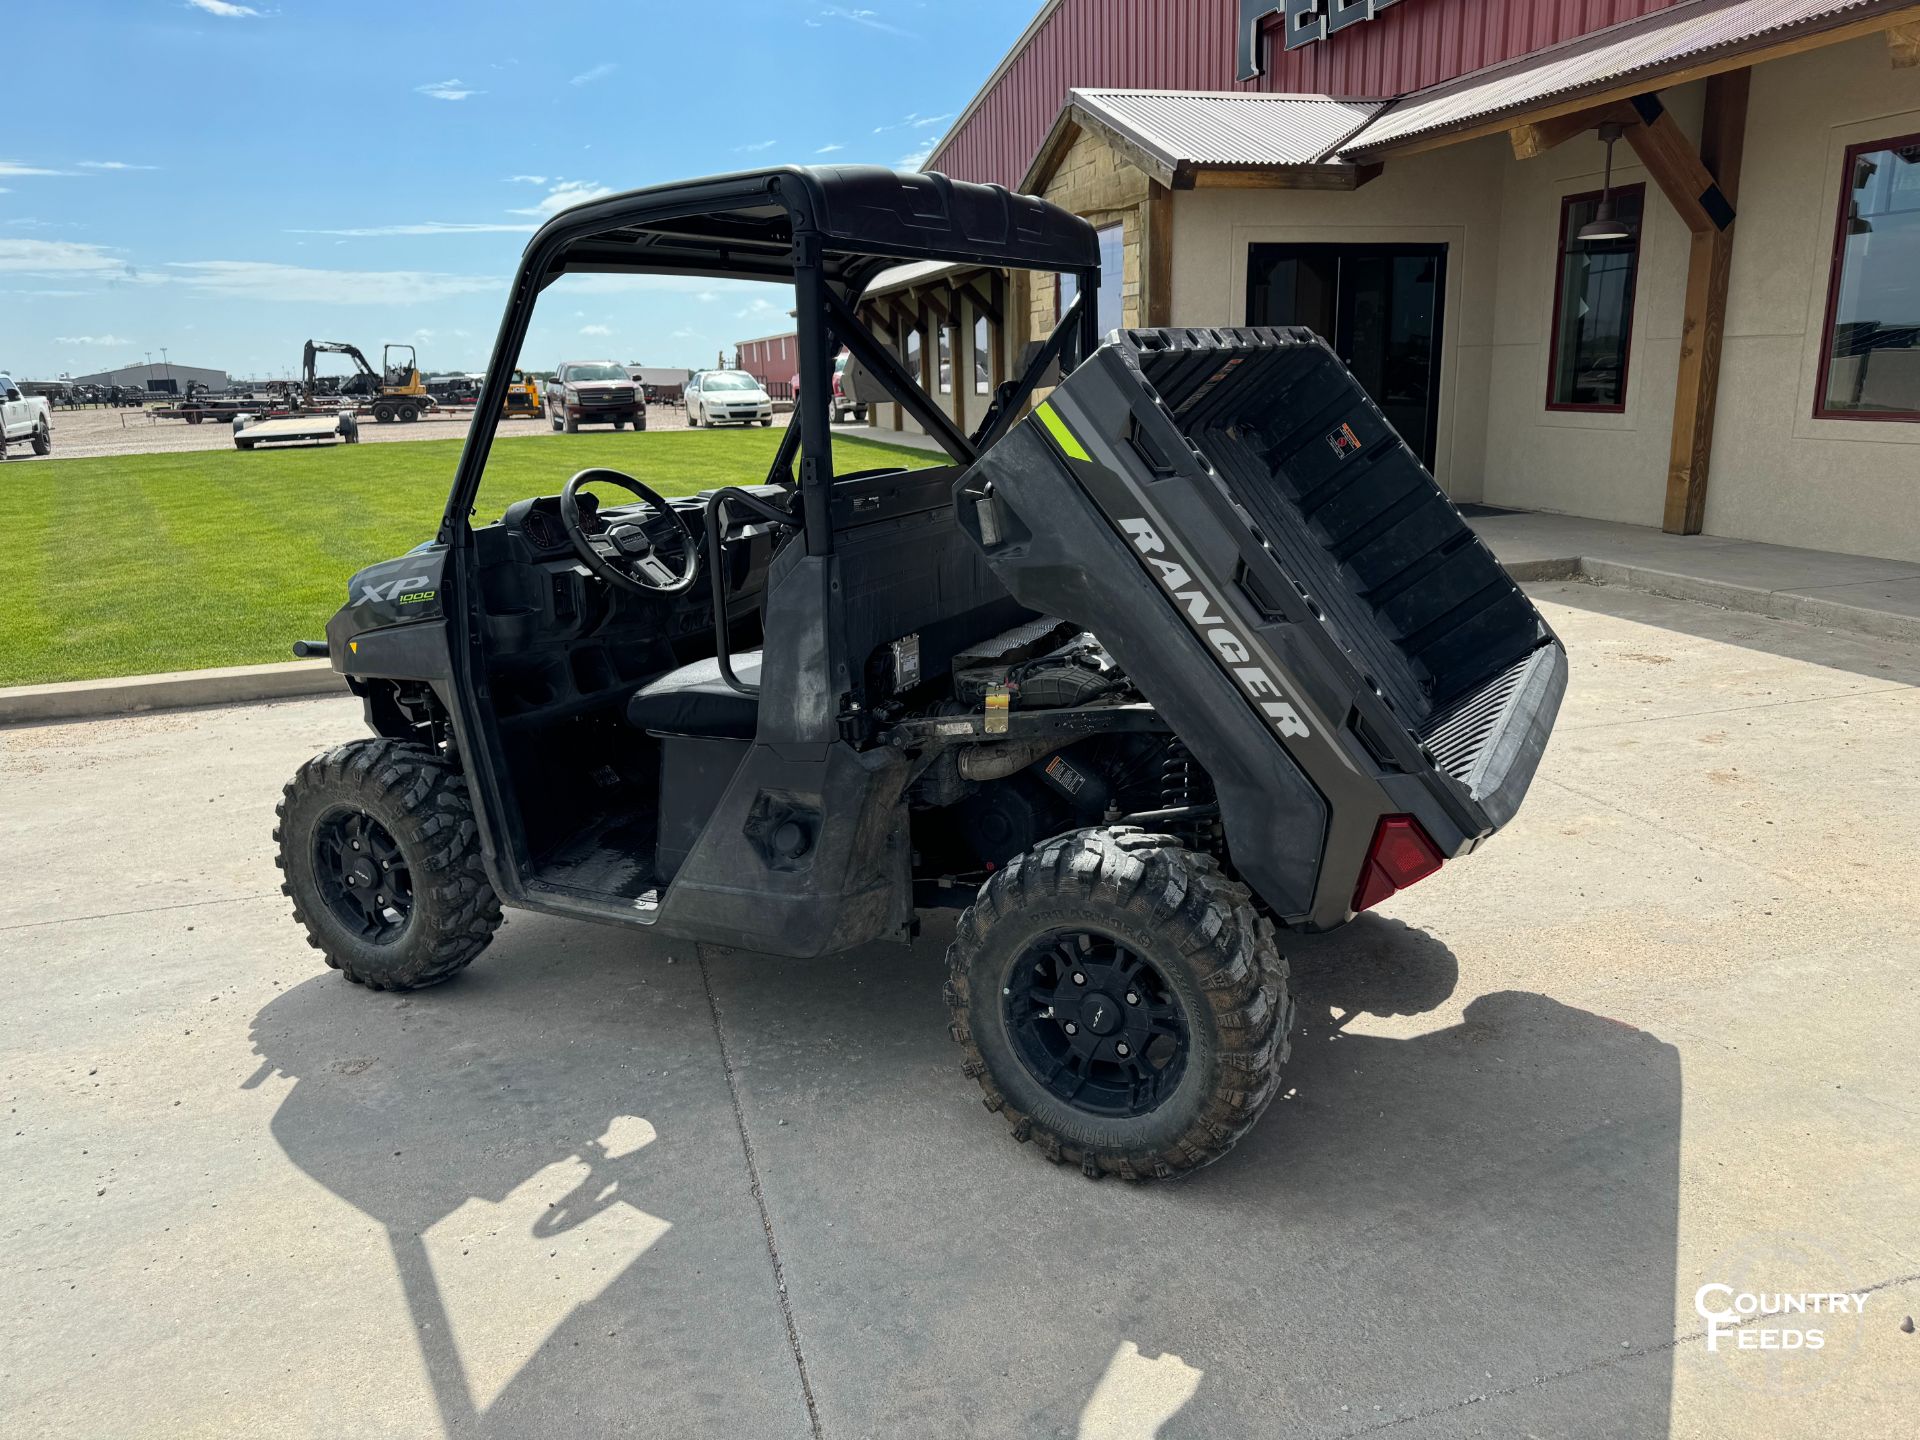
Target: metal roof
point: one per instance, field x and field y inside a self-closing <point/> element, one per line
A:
<point x="1225" y="129"/>
<point x="902" y="276"/>
<point x="1668" y="40"/>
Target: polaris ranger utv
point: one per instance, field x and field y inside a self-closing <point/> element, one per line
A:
<point x="1190" y="651"/>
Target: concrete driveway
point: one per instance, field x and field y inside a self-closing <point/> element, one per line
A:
<point x="1659" y="1035"/>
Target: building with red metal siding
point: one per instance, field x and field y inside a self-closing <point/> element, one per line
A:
<point x="1585" y="254"/>
<point x="772" y="360"/>
<point x="1191" y="45"/>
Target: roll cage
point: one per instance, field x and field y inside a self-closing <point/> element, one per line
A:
<point x="828" y="231"/>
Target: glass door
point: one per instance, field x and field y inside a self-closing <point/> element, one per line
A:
<point x="1379" y="306"/>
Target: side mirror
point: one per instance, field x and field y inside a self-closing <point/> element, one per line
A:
<point x="13" y="394"/>
<point x="860" y="386"/>
<point x="1028" y="354"/>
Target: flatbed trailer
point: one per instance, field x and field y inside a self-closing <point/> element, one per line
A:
<point x="310" y="429"/>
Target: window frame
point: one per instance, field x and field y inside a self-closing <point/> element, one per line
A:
<point x="1567" y="202"/>
<point x="1836" y="262"/>
<point x="946" y="337"/>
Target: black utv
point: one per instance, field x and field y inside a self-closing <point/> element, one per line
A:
<point x="1188" y="652"/>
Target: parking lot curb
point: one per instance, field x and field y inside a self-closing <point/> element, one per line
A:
<point x="132" y="694"/>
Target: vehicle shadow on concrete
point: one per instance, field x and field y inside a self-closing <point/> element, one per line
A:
<point x="1468" y="1227"/>
<point x="549" y="1144"/>
<point x="1475" y="1225"/>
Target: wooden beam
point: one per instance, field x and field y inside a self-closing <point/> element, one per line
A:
<point x="1703" y="323"/>
<point x="1332" y="176"/>
<point x="1158" y="267"/>
<point x="1676" y="167"/>
<point x="1534" y="138"/>
<point x="1903" y="44"/>
<point x="1892" y="13"/>
<point x="981" y="303"/>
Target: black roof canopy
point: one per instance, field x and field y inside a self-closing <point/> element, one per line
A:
<point x="866" y="217"/>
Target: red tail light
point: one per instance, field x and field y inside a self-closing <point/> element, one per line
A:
<point x="1400" y="855"/>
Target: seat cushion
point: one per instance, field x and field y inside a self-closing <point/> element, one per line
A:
<point x="694" y="700"/>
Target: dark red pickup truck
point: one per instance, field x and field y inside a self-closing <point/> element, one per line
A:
<point x="594" y="392"/>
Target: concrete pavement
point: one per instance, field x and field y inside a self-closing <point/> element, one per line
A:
<point x="1658" y="1035"/>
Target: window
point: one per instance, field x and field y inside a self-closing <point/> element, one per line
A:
<point x="916" y="366"/>
<point x="1870" y="363"/>
<point x="1593" y="306"/>
<point x="1065" y="288"/>
<point x="944" y="358"/>
<point x="1112" y="263"/>
<point x="982" y="355"/>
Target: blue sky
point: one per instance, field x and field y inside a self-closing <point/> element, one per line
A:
<point x="226" y="180"/>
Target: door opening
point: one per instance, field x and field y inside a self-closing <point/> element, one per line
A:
<point x="1379" y="306"/>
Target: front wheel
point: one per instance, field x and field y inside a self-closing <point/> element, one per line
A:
<point x="42" y="441"/>
<point x="1121" y="1002"/>
<point x="382" y="862"/>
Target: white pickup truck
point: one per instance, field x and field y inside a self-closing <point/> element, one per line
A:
<point x="24" y="419"/>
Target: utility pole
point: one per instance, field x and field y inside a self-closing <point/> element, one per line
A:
<point x="166" y="363"/>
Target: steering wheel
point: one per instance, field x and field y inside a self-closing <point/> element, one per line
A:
<point x="623" y="553"/>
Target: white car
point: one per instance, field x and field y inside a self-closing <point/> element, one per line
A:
<point x="727" y="397"/>
<point x="24" y="419"/>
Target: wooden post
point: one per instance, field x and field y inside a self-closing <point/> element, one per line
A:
<point x="1157" y="262"/>
<point x="1703" y="190"/>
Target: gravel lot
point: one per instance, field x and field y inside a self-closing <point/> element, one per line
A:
<point x="1659" y="1034"/>
<point x="78" y="433"/>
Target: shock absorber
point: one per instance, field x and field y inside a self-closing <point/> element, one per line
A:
<point x="1184" y="786"/>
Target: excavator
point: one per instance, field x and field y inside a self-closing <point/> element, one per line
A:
<point x="396" y="389"/>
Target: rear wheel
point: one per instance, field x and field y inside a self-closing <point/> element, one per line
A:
<point x="409" y="413"/>
<point x="382" y="861"/>
<point x="1121" y="1002"/>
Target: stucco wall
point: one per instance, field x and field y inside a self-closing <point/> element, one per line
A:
<point x="1610" y="467"/>
<point x="1450" y="197"/>
<point x="1778" y="474"/>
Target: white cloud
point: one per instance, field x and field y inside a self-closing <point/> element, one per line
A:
<point x="426" y="227"/>
<point x="113" y="165"/>
<point x="64" y="257"/>
<point x="447" y="90"/>
<point x="914" y="120"/>
<point x="526" y="179"/>
<point x="14" y="167"/>
<point x="756" y="147"/>
<point x="869" y="19"/>
<point x="91" y="340"/>
<point x="829" y="149"/>
<point x="598" y="72"/>
<point x="913" y="160"/>
<point x="263" y="281"/>
<point x="759" y="305"/>
<point x="564" y="196"/>
<point x="225" y="9"/>
<point x="595" y="330"/>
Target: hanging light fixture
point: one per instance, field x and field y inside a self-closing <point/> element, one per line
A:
<point x="1604" y="225"/>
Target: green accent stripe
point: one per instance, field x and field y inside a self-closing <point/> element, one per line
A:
<point x="1062" y="436"/>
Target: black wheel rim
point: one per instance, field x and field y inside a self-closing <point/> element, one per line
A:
<point x="1096" y="1023"/>
<point x="363" y="876"/>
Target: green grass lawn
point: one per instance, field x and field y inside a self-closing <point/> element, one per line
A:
<point x="136" y="564"/>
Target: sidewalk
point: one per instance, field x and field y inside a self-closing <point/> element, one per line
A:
<point x="1816" y="587"/>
